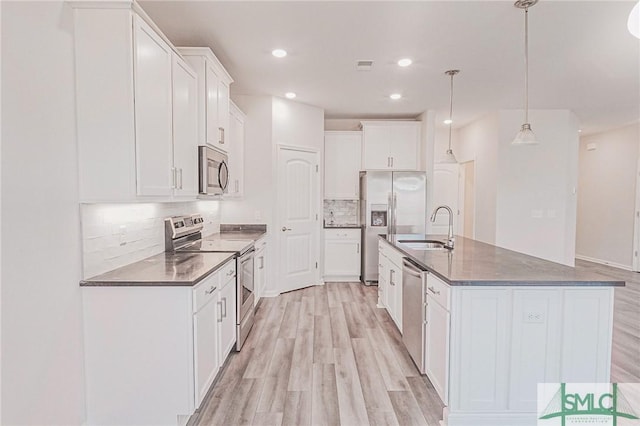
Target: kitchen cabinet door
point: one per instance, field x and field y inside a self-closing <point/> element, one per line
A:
<point x="236" y="152"/>
<point x="212" y="83"/>
<point x="403" y="146"/>
<point x="375" y="147"/>
<point x="205" y="330"/>
<point x="153" y="112"/>
<point x="342" y="257"/>
<point x="185" y="129"/>
<point x="383" y="281"/>
<point x="395" y="294"/>
<point x="227" y="318"/>
<point x="223" y="115"/>
<point x="437" y="347"/>
<point x="260" y="268"/>
<point x="342" y="163"/>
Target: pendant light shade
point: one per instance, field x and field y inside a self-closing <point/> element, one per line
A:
<point x="634" y="21"/>
<point x="449" y="158"/>
<point x="525" y="136"/>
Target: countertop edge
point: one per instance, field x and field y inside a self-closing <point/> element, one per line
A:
<point x="105" y="283"/>
<point x="491" y="283"/>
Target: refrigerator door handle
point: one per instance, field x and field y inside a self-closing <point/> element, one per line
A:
<point x="395" y="211"/>
<point x="389" y="213"/>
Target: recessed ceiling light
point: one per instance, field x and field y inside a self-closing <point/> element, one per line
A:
<point x="395" y="96"/>
<point x="448" y="121"/>
<point x="290" y="95"/>
<point x="579" y="130"/>
<point x="405" y="62"/>
<point x="279" y="53"/>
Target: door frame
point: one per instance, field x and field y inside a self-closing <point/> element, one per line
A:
<point x="636" y="224"/>
<point x="279" y="199"/>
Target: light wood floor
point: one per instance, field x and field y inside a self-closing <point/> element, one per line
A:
<point x="324" y="356"/>
<point x="328" y="355"/>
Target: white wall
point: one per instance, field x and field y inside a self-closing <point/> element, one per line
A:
<point x="42" y="356"/>
<point x="606" y="196"/>
<point x="536" y="201"/>
<point x="271" y="121"/>
<point x="478" y="141"/>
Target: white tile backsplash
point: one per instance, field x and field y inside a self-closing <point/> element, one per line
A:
<point x="115" y="235"/>
<point x="344" y="211"/>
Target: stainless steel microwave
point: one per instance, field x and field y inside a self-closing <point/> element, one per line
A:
<point x="213" y="171"/>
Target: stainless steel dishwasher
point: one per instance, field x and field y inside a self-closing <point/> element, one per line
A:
<point x="414" y="308"/>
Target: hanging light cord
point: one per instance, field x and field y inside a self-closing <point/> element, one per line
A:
<point x="526" y="65"/>
<point x="451" y="109"/>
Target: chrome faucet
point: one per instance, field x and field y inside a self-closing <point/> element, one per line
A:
<point x="450" y="239"/>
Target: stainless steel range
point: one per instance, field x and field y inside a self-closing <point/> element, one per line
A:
<point x="184" y="234"/>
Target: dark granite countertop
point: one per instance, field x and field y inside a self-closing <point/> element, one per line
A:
<point x="473" y="263"/>
<point x="164" y="269"/>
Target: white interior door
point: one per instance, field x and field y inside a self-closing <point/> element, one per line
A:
<point x="298" y="224"/>
<point x="445" y="192"/>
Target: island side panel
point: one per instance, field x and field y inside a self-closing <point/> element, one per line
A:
<point x="504" y="341"/>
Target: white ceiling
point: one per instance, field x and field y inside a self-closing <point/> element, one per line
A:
<point x="581" y="55"/>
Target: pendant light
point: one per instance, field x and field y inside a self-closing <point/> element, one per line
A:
<point x="449" y="158"/>
<point x="525" y="136"/>
<point x="633" y="24"/>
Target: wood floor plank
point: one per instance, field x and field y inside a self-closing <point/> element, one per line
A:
<point x="353" y="410"/>
<point x="344" y="292"/>
<point x="321" y="300"/>
<point x="324" y="398"/>
<point x="406" y="408"/>
<point x="339" y="329"/>
<point x="300" y="377"/>
<point x="382" y="418"/>
<point x="307" y="313"/>
<point x="267" y="419"/>
<point x="373" y="389"/>
<point x="274" y="391"/>
<point x="267" y="340"/>
<point x="333" y="297"/>
<point x="427" y="399"/>
<point x="297" y="409"/>
<point x="290" y="320"/>
<point x="388" y="364"/>
<point x="243" y="405"/>
<point x="354" y="322"/>
<point x="322" y="340"/>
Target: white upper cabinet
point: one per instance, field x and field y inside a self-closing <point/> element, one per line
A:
<point x="135" y="107"/>
<point x="185" y="128"/>
<point x="342" y="164"/>
<point x="153" y="111"/>
<point x="390" y="145"/>
<point x="213" y="102"/>
<point x="236" y="152"/>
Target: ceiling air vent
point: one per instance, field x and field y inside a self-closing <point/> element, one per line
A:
<point x="364" y="65"/>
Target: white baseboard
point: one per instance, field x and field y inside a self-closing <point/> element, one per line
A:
<point x="342" y="278"/>
<point x="604" y="262"/>
<point x="271" y="293"/>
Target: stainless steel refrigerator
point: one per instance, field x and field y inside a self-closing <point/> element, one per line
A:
<point x="390" y="203"/>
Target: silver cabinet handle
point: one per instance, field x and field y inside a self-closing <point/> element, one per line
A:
<point x="220" y="312"/>
<point x="433" y="290"/>
<point x="285" y="229"/>
<point x="391" y="161"/>
<point x="180" y="176"/>
<point x="391" y="277"/>
<point x="221" y="141"/>
<point x="261" y="262"/>
<point x="237" y="185"/>
<point x="358" y="248"/>
<point x="230" y="273"/>
<point x="388" y="161"/>
<point x="224" y="301"/>
<point x="211" y="290"/>
<point x="174" y="178"/>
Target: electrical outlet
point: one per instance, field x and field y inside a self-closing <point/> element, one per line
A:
<point x="534" y="317"/>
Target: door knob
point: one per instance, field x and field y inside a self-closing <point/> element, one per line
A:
<point x="285" y="229"/>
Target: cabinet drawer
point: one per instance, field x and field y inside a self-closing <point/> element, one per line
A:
<point x="392" y="254"/>
<point x="227" y="273"/>
<point x="439" y="291"/>
<point x="261" y="244"/>
<point x="342" y="234"/>
<point x="205" y="291"/>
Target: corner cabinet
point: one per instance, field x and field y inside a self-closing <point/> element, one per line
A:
<point x="135" y="107"/>
<point x="236" y="152"/>
<point x="342" y="254"/>
<point x="213" y="96"/>
<point x="390" y="145"/>
<point x="342" y="164"/>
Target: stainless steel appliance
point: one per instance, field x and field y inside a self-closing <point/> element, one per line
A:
<point x="213" y="171"/>
<point x="414" y="312"/>
<point x="390" y="203"/>
<point x="184" y="234"/>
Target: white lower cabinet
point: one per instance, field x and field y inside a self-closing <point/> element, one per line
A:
<point x="437" y="337"/>
<point x="390" y="274"/>
<point x="226" y="317"/>
<point x="152" y="352"/>
<point x="342" y="254"/>
<point x="260" y="268"/>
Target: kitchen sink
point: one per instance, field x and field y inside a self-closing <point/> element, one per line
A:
<point x="423" y="244"/>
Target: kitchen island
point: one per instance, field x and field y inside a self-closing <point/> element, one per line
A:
<point x="497" y="322"/>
